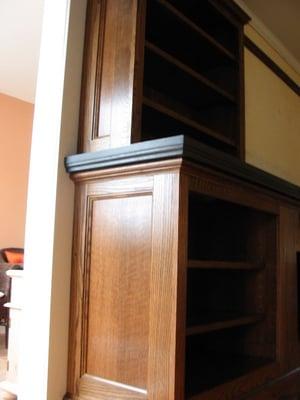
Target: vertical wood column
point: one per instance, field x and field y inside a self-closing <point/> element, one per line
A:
<point x="166" y="349"/>
<point x="108" y="74"/>
<point x="127" y="318"/>
<point x="290" y="284"/>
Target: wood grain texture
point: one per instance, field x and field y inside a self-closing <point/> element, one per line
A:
<point x="130" y="280"/>
<point x="132" y="170"/>
<point x="181" y="287"/>
<point x="91" y="73"/>
<point x="191" y="151"/>
<point x="118" y="312"/>
<point x="77" y="289"/>
<point x="108" y="76"/>
<point x="164" y="289"/>
<point x="107" y="190"/>
<point x="225" y="188"/>
<point x="92" y="387"/>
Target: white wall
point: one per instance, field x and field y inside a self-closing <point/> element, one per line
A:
<point x="48" y="236"/>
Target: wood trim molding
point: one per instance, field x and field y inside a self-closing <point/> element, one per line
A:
<point x="262" y="56"/>
<point x="257" y="24"/>
<point x="187" y="149"/>
<point x="234" y="8"/>
<point x="92" y="73"/>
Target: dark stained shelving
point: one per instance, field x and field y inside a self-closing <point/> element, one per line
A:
<point x="221" y="321"/>
<point x="189" y="71"/>
<point x="217" y="264"/>
<point x="230" y="293"/>
<point x="185" y="120"/>
<point x="196" y="28"/>
<point x="194" y="65"/>
<point x="210" y="370"/>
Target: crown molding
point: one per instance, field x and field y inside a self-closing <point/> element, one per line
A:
<point x="184" y="148"/>
<point x="270" y="37"/>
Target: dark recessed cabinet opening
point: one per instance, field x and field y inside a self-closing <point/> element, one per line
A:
<point x="219" y="357"/>
<point x="231" y="292"/>
<point x="298" y="291"/>
<point x="192" y="74"/>
<point x="208" y="16"/>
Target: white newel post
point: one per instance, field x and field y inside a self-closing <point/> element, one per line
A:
<point x="15" y="309"/>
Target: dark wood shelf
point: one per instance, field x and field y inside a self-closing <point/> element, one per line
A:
<point x="207" y="371"/>
<point x="186" y="120"/>
<point x="189" y="71"/>
<point x="233" y="265"/>
<point x="220" y="323"/>
<point x="196" y="28"/>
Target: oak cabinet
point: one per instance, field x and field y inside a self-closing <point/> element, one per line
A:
<point x="185" y="274"/>
<point x="159" y="68"/>
<point x="183" y="279"/>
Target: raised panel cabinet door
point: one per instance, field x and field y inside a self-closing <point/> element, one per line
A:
<point x="127" y="325"/>
<point x="109" y="327"/>
<point x="118" y="309"/>
<point x="108" y="79"/>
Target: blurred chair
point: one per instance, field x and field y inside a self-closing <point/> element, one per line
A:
<point x="8" y="256"/>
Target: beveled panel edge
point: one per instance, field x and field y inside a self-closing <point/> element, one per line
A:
<point x="90" y="386"/>
<point x="180" y="147"/>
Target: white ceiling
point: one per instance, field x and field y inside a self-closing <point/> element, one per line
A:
<point x="20" y="32"/>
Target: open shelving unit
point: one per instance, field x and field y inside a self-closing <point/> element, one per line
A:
<point x="231" y="292"/>
<point x="192" y="74"/>
<point x="188" y="251"/>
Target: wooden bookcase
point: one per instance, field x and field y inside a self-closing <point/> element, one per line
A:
<point x="191" y="73"/>
<point x="185" y="281"/>
<point x="181" y="72"/>
<point x="231" y="292"/>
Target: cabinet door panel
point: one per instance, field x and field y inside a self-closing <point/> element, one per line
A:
<point x="118" y="310"/>
<point x="111" y="45"/>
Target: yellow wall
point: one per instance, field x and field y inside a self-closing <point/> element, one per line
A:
<point x="272" y="115"/>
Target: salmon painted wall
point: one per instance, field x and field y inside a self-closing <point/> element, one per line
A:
<point x="16" y="118"/>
